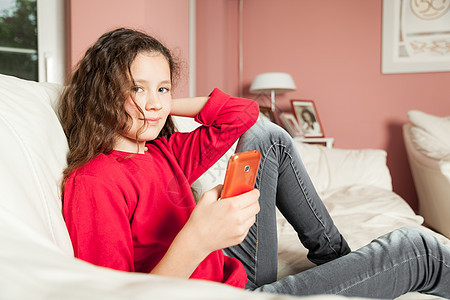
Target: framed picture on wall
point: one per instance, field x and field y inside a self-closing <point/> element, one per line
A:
<point x="291" y="125"/>
<point x="307" y="117"/>
<point x="416" y="36"/>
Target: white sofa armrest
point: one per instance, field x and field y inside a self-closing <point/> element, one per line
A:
<point x="432" y="181"/>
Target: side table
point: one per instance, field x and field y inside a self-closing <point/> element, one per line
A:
<point x="327" y="141"/>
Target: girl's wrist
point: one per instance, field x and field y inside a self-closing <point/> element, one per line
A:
<point x="182" y="257"/>
<point x="192" y="243"/>
<point x="188" y="107"/>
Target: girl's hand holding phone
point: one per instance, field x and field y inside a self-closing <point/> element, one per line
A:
<point x="220" y="224"/>
<point x="214" y="224"/>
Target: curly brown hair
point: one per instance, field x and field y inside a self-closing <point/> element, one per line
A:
<point x="91" y="109"/>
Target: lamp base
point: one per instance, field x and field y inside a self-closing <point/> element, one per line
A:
<point x="272" y="100"/>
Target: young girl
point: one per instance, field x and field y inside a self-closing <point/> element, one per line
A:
<point x="128" y="204"/>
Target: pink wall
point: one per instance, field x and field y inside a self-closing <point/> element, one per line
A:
<point x="217" y="46"/>
<point x="168" y="20"/>
<point x="333" y="51"/>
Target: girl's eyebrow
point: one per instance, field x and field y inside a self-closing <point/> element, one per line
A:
<point x="146" y="81"/>
<point x="166" y="82"/>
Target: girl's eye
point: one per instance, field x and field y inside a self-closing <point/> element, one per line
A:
<point x="163" y="90"/>
<point x="137" y="89"/>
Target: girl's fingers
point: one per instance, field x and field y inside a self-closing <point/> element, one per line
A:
<point x="246" y="199"/>
<point x="214" y="193"/>
<point x="247" y="206"/>
<point x="250" y="211"/>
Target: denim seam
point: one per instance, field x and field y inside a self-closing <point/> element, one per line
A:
<point x="392" y="267"/>
<point x="308" y="199"/>
<point x="256" y="252"/>
<point x="303" y="189"/>
<point x="263" y="161"/>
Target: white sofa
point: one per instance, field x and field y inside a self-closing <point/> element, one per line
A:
<point x="36" y="257"/>
<point x="427" y="142"/>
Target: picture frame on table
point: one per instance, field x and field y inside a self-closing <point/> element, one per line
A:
<point x="291" y="125"/>
<point x="307" y="117"/>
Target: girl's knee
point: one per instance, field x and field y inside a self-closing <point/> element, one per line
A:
<point x="412" y="232"/>
<point x="263" y="135"/>
<point x="415" y="236"/>
<point x="267" y="130"/>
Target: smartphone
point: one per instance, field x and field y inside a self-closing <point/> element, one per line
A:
<point x="241" y="173"/>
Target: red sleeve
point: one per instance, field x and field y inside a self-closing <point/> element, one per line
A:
<point x="96" y="216"/>
<point x="224" y="119"/>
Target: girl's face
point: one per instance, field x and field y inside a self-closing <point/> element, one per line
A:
<point x="306" y="117"/>
<point x="151" y="74"/>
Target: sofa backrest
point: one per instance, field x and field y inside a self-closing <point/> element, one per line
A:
<point x="32" y="156"/>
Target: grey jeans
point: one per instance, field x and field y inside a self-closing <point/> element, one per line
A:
<point x="402" y="261"/>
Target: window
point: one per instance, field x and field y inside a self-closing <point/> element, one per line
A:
<point x="32" y="39"/>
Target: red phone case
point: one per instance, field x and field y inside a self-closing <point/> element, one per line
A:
<point x="241" y="173"/>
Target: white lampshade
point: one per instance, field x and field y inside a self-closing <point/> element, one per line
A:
<point x="273" y="83"/>
<point x="276" y="81"/>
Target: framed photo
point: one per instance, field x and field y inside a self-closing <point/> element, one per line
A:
<point x="267" y="112"/>
<point x="291" y="125"/>
<point x="415" y="36"/>
<point x="306" y="114"/>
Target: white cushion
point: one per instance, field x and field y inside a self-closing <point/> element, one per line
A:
<point x="33" y="153"/>
<point x="430" y="134"/>
<point x="332" y="168"/>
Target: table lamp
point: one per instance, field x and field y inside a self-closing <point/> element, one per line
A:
<point x="273" y="83"/>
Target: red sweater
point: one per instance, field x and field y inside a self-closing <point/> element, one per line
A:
<point x="123" y="213"/>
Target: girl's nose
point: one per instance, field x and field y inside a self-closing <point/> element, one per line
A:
<point x="153" y="103"/>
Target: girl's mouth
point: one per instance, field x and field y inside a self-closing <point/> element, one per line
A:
<point x="151" y="121"/>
